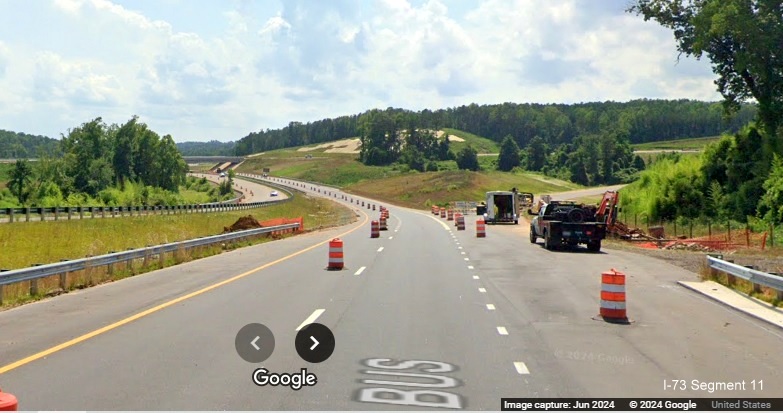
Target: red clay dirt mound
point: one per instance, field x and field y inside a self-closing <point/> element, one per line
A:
<point x="242" y="224"/>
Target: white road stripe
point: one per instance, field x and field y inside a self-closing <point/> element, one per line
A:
<point x="491" y="307"/>
<point x="470" y="267"/>
<point x="482" y="290"/>
<point x="462" y="253"/>
<point x="309" y="320"/>
<point x="380" y="249"/>
<point x="391" y="237"/>
<point x="467" y="259"/>
<point x="459" y="248"/>
<point x="521" y="367"/>
<point x="502" y="331"/>
<point x="359" y="271"/>
<point x="475" y="277"/>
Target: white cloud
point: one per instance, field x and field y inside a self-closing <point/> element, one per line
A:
<point x="260" y="65"/>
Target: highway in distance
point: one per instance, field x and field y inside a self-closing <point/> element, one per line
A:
<point x="424" y="317"/>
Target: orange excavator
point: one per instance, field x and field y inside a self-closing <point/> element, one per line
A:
<point x="607" y="210"/>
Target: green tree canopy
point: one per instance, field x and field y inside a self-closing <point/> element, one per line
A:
<point x="742" y="39"/>
<point x="509" y="154"/>
<point x="467" y="158"/>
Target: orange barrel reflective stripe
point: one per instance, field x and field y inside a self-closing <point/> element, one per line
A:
<point x="442" y="212"/>
<point x="480" y="228"/>
<point x="613" y="296"/>
<point x="450" y="215"/>
<point x="375" y="230"/>
<point x="335" y="254"/>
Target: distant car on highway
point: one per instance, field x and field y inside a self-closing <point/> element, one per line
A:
<point x="273" y="193"/>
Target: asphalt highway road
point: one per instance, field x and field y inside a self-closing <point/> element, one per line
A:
<point x="253" y="191"/>
<point x="424" y="317"/>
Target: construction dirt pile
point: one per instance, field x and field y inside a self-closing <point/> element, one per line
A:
<point x="242" y="224"/>
<point x="690" y="246"/>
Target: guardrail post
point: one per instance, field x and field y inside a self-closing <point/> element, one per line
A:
<point x="10" y="215"/>
<point x="113" y="211"/>
<point x="111" y="265"/>
<point x="103" y="212"/>
<point x="129" y="263"/>
<point x="81" y="212"/>
<point x="56" y="213"/>
<point x="27" y="214"/>
<point x="69" y="213"/>
<point x="161" y="258"/>
<point x="63" y="277"/>
<point x="34" y="283"/>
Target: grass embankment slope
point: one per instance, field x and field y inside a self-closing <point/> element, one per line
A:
<point x="690" y="144"/>
<point x="22" y="242"/>
<point x="397" y="185"/>
<point x="480" y="144"/>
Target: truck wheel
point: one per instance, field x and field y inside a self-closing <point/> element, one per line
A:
<point x="594" y="246"/>
<point x="547" y="241"/>
<point x="533" y="237"/>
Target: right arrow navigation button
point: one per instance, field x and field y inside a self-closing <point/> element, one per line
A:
<point x="314" y="343"/>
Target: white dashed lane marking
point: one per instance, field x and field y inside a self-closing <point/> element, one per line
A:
<point x="521" y="367"/>
<point x="359" y="271"/>
<point x="380" y="249"/>
<point x="502" y="331"/>
<point x="490" y="307"/>
<point x="470" y="267"/>
<point x="309" y="320"/>
<point x="475" y="277"/>
<point x="482" y="290"/>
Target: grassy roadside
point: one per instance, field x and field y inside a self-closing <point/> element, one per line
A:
<point x="27" y="243"/>
<point x="72" y="239"/>
<point x="690" y="144"/>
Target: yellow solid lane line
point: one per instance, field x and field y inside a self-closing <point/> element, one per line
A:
<point x="87" y="336"/>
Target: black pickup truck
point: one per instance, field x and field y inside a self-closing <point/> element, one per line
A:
<point x="567" y="223"/>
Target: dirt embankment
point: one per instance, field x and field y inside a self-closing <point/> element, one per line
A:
<point x="243" y="223"/>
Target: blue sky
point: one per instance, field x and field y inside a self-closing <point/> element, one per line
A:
<point x="202" y="70"/>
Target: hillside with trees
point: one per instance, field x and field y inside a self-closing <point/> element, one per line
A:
<point x="211" y="148"/>
<point x="641" y="121"/>
<point x="103" y="164"/>
<point x="741" y="176"/>
<point x="15" y="145"/>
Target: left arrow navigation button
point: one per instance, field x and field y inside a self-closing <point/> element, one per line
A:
<point x="255" y="343"/>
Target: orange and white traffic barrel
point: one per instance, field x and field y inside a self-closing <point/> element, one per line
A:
<point x="335" y="254"/>
<point x="383" y="223"/>
<point x="434" y="210"/>
<point x="385" y="213"/>
<point x="481" y="230"/>
<point x="373" y="207"/>
<point x="8" y="402"/>
<point x="613" y="296"/>
<point x="450" y="215"/>
<point x="375" y="229"/>
<point x="442" y="212"/>
<point x="460" y="222"/>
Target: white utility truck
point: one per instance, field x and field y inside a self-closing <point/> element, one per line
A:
<point x="501" y="206"/>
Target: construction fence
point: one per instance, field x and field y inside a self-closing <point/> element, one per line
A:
<point x="705" y="234"/>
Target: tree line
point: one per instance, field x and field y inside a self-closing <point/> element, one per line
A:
<point x="741" y="176"/>
<point x="15" y="145"/>
<point x="98" y="161"/>
<point x="643" y="120"/>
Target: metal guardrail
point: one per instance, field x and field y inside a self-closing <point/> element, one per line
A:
<point x="754" y="276"/>
<point x="57" y="213"/>
<point x="34" y="273"/>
